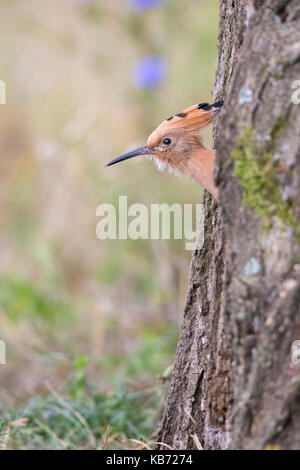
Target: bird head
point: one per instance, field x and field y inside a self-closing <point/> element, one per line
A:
<point x="176" y="144"/>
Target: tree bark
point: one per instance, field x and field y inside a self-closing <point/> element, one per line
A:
<point x="234" y="383"/>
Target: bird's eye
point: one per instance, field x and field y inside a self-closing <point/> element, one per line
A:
<point x="167" y="141"/>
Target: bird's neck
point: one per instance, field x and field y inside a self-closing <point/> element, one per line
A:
<point x="200" y="167"/>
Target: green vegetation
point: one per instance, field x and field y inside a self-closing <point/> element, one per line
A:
<point x="81" y="418"/>
<point x="20" y="299"/>
<point x="258" y="170"/>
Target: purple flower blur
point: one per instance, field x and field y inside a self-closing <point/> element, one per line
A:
<point x="143" y="5"/>
<point x="149" y="72"/>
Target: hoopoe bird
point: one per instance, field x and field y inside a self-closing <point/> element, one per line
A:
<point x="176" y="144"/>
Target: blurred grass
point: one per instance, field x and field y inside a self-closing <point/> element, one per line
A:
<point x="81" y="418"/>
<point x="64" y="294"/>
<point x="20" y="299"/>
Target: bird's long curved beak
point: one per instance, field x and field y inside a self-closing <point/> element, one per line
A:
<point x="134" y="153"/>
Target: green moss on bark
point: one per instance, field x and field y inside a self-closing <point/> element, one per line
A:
<point x="258" y="170"/>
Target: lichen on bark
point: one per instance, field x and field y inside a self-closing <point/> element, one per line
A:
<point x="258" y="164"/>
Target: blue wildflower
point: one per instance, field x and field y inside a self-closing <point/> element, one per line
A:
<point x="143" y="5"/>
<point x="149" y="72"/>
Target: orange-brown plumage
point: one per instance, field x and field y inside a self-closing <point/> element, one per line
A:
<point x="177" y="145"/>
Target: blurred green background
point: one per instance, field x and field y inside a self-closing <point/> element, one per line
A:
<point x="91" y="326"/>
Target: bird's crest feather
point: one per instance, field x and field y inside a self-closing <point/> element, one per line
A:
<point x="191" y="119"/>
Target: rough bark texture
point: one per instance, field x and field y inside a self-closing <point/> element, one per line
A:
<point x="233" y="384"/>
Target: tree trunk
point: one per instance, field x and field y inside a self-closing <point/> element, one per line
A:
<point x="234" y="383"/>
